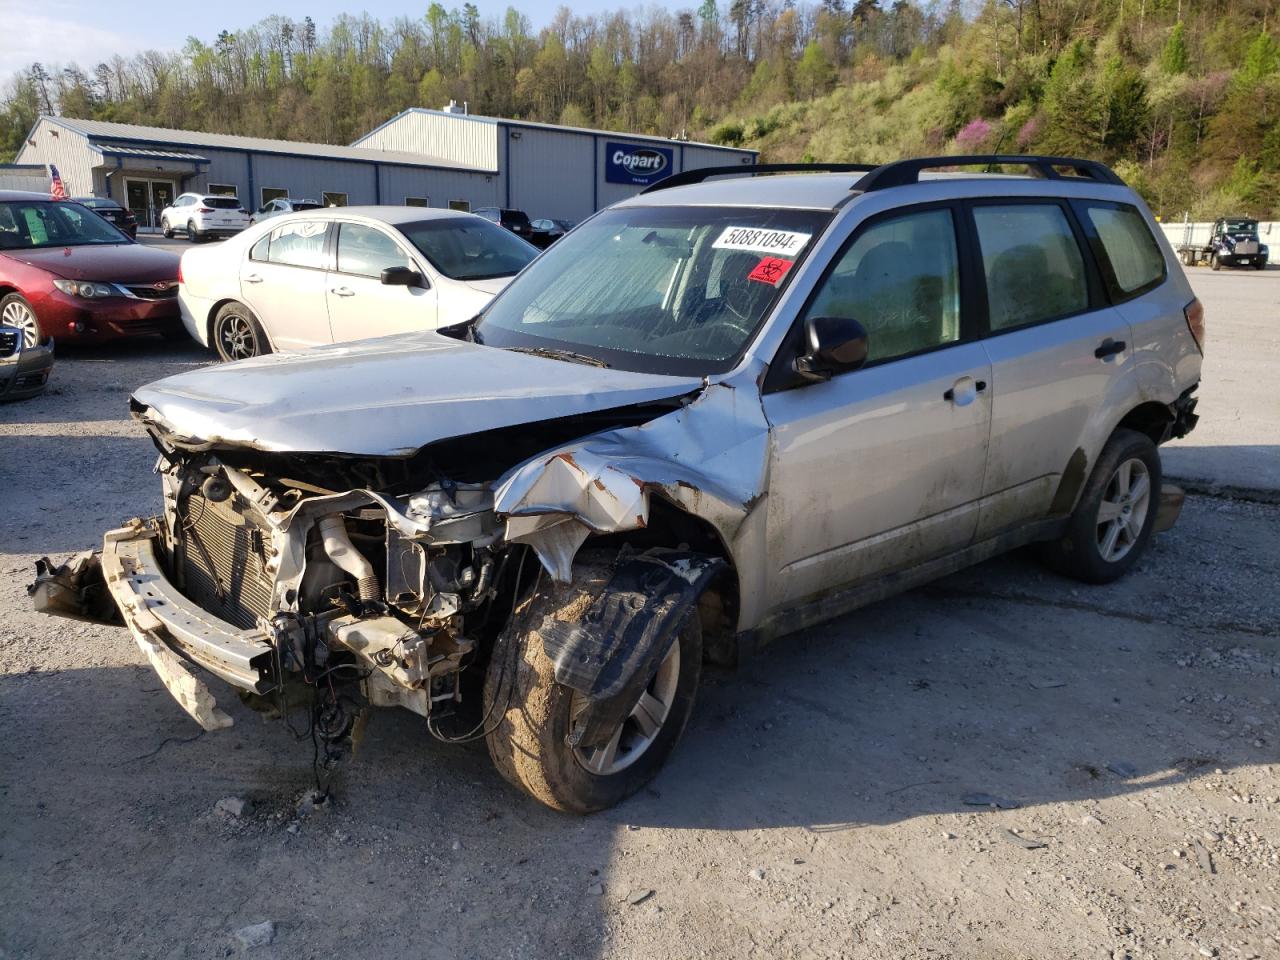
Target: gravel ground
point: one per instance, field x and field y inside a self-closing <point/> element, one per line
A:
<point x="819" y="805"/>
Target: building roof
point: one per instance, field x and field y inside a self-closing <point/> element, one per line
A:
<point x="621" y="135"/>
<point x="165" y="136"/>
<point x="123" y="150"/>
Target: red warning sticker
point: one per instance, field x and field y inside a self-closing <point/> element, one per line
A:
<point x="770" y="270"/>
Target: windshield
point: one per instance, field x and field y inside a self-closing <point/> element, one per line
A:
<point x="673" y="290"/>
<point x="468" y="248"/>
<point x="1240" y="226"/>
<point x="27" y="224"/>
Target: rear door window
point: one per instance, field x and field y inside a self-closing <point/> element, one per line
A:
<point x="1124" y="244"/>
<point x="1034" y="268"/>
<point x="298" y="244"/>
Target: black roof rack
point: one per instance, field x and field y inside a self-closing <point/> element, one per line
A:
<point x="705" y="173"/>
<point x="903" y="172"/>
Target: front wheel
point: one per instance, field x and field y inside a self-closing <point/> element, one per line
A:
<point x="15" y="311"/>
<point x="1112" y="523"/>
<point x="166" y="231"/>
<point x="237" y="335"/>
<point x="529" y="745"/>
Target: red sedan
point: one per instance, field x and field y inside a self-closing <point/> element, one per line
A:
<point x="67" y="273"/>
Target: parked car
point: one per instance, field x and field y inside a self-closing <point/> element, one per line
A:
<point x="283" y="205"/>
<point x="201" y="216"/>
<point x="24" y="370"/>
<point x="344" y="273"/>
<point x="713" y="414"/>
<point x="517" y="221"/>
<point x="1233" y="242"/>
<point x="68" y="273"/>
<point x="113" y="213"/>
<point x="547" y="231"/>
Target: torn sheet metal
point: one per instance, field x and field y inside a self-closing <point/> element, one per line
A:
<point x="709" y="458"/>
<point x="612" y="653"/>
<point x="386" y="397"/>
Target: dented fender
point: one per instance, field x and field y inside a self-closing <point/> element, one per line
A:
<point x="709" y="458"/>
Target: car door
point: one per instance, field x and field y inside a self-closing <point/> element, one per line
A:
<point x="1060" y="358"/>
<point x="880" y="469"/>
<point x="282" y="279"/>
<point x="360" y="304"/>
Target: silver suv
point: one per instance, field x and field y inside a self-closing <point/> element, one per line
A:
<point x="713" y="414"/>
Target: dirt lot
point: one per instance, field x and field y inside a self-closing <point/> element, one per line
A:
<point x="816" y="808"/>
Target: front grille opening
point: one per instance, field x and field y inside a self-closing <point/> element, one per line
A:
<point x="223" y="556"/>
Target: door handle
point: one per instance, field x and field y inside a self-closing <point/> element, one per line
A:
<point x="343" y="292"/>
<point x="1109" y="348"/>
<point x="253" y="278"/>
<point x="964" y="391"/>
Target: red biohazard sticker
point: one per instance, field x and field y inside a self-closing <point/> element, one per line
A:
<point x="770" y="270"/>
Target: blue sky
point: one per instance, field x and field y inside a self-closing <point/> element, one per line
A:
<point x="58" y="32"/>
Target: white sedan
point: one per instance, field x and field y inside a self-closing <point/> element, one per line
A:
<point x="344" y="273"/>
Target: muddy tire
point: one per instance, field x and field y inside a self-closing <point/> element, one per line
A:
<point x="1112" y="523"/>
<point x="236" y="333"/>
<point x="529" y="746"/>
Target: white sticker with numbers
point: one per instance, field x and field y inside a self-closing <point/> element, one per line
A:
<point x="758" y="240"/>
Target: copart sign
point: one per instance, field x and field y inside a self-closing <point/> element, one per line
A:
<point x="637" y="165"/>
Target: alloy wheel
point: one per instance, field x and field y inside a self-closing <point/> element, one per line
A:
<point x="637" y="733"/>
<point x="20" y="315"/>
<point x="237" y="338"/>
<point x="1122" y="514"/>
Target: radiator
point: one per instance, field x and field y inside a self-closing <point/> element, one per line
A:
<point x="222" y="555"/>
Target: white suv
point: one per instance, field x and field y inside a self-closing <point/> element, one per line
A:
<point x="711" y="415"/>
<point x="201" y="216"/>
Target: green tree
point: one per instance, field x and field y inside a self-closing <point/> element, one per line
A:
<point x="814" y="73"/>
<point x="1173" y="58"/>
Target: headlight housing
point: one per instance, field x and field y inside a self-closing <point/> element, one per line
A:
<point x="87" y="289"/>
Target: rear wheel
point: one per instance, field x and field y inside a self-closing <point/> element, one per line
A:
<point x="1112" y="523"/>
<point x="529" y="745"/>
<point x="193" y="234"/>
<point x="237" y="335"/>
<point x="15" y="311"/>
<point x="1214" y="262"/>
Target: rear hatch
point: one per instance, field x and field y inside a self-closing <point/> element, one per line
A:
<point x="225" y="213"/>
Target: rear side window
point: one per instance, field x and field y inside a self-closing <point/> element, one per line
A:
<point x="1127" y="246"/>
<point x="297" y="244"/>
<point x="1034" y="269"/>
<point x="900" y="279"/>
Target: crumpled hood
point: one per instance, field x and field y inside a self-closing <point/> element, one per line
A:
<point x="122" y="263"/>
<point x="387" y="396"/>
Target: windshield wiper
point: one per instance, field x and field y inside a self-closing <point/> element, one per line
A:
<point x="555" y="353"/>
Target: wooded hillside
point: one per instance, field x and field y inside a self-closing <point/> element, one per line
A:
<point x="1182" y="96"/>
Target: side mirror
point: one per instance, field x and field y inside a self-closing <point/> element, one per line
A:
<point x="402" y="277"/>
<point x="832" y="345"/>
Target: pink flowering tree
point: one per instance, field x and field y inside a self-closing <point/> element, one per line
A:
<point x="1028" y="133"/>
<point x="973" y="135"/>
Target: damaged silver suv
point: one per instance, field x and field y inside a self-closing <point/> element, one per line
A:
<point x="715" y="413"/>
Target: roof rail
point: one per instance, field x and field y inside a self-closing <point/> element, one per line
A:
<point x="903" y="172"/>
<point x="704" y="173"/>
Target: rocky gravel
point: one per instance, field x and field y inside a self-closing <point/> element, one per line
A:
<point x="1003" y="764"/>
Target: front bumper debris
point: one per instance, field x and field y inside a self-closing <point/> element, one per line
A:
<point x="169" y="628"/>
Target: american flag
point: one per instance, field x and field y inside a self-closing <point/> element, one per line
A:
<point x="56" y="191"/>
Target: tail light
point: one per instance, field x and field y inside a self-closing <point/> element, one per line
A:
<point x="204" y="209"/>
<point x="1194" y="312"/>
<point x="179" y="271"/>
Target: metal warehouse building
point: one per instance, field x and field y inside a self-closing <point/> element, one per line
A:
<point x="436" y="158"/>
